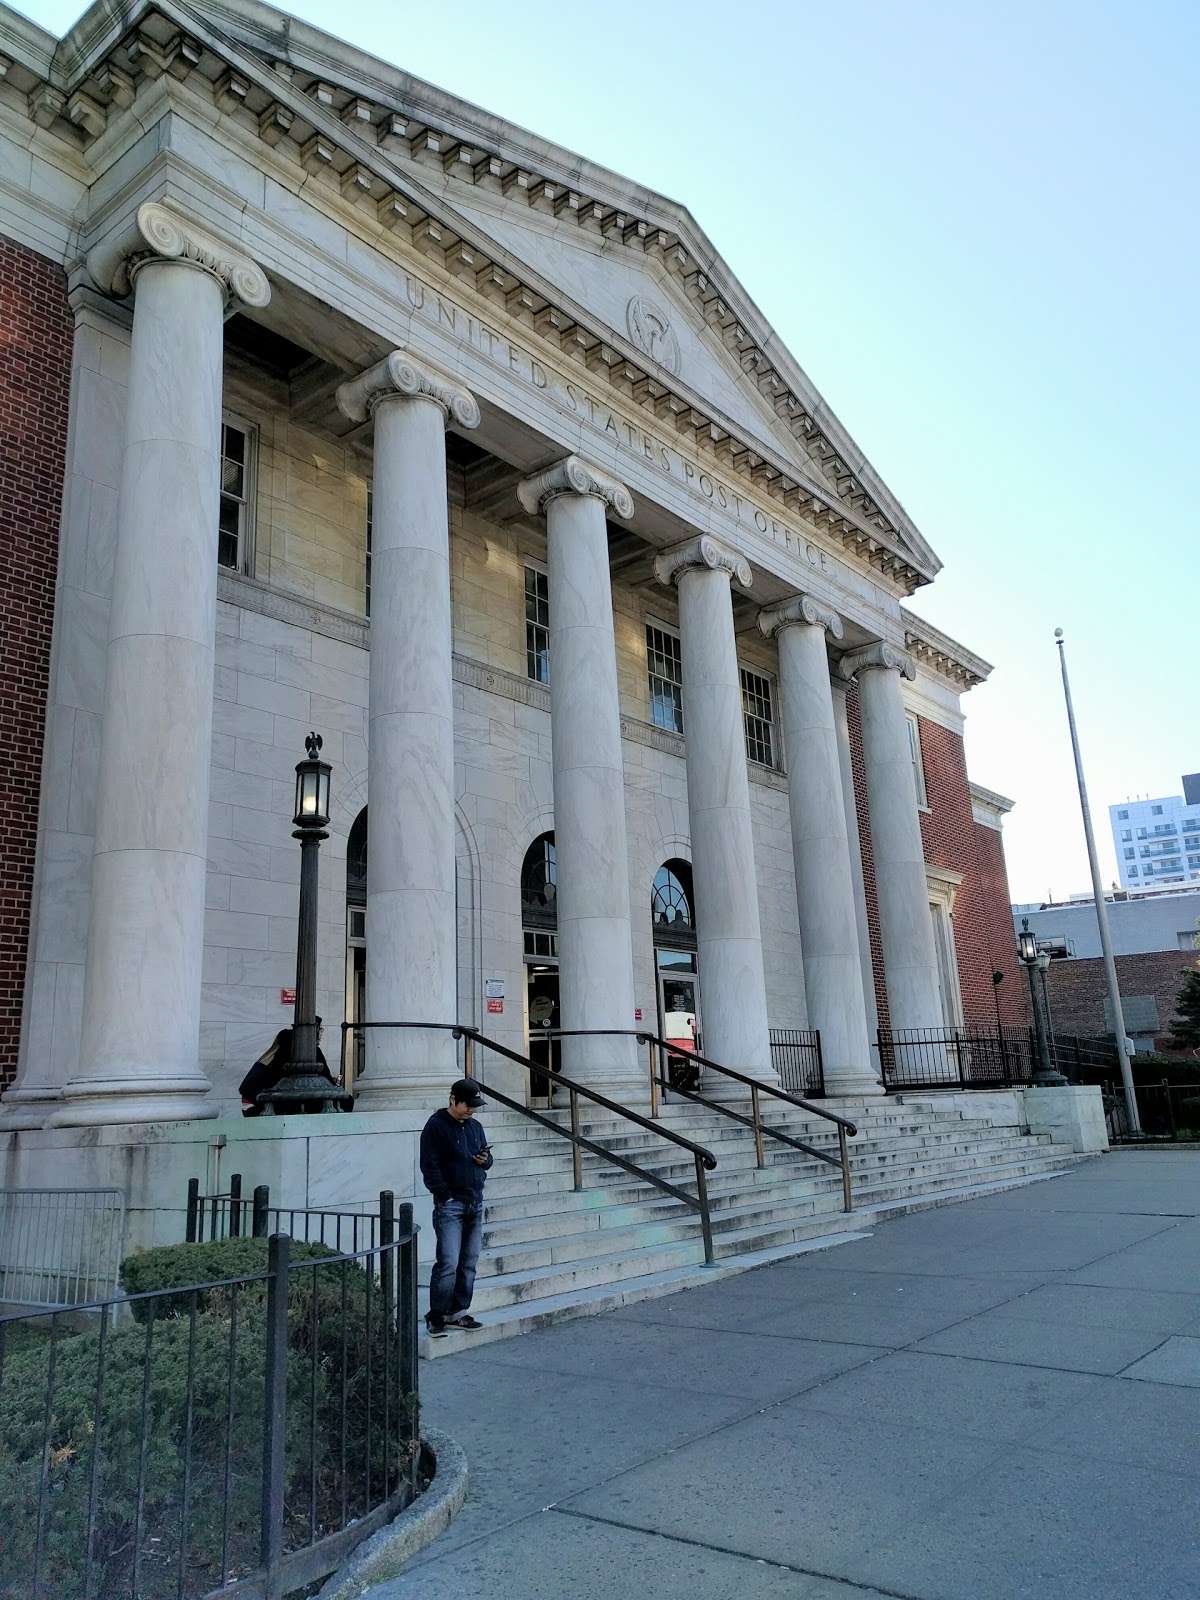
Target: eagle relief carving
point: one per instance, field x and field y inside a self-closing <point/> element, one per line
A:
<point x="651" y="331"/>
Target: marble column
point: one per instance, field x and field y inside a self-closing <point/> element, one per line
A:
<point x="820" y="846"/>
<point x="139" y="1047"/>
<point x="905" y="926"/>
<point x="733" y="996"/>
<point x="595" y="951"/>
<point x="411" y="925"/>
<point x="841" y="718"/>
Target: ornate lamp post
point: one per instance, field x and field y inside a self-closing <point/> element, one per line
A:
<point x="1031" y="959"/>
<point x="303" y="1079"/>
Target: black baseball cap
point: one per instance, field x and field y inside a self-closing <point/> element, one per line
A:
<point x="466" y="1092"/>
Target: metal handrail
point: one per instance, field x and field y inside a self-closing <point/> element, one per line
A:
<point x="703" y="1158"/>
<point x="756" y="1087"/>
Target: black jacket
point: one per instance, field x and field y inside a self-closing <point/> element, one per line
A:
<point x="447" y="1169"/>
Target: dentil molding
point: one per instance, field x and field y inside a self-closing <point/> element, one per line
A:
<point x="876" y="657"/>
<point x="704" y="551"/>
<point x="802" y="611"/>
<point x="402" y="375"/>
<point x="162" y="233"/>
<point x="573" y="475"/>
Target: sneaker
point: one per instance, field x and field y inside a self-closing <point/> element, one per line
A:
<point x="465" y="1321"/>
<point x="435" y="1329"/>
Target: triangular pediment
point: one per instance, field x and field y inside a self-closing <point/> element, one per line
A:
<point x="621" y="279"/>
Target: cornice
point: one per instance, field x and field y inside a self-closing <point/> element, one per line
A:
<point x="403" y="376"/>
<point x="574" y="476"/>
<point x="706" y="552"/>
<point x="938" y="653"/>
<point x="803" y="611"/>
<point x="363" y="144"/>
<point x="161" y="232"/>
<point x="877" y="657"/>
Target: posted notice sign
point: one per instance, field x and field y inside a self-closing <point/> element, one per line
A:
<point x="495" y="1007"/>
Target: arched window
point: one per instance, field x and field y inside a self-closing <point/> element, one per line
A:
<point x="356" y="861"/>
<point x="539" y="898"/>
<point x="672" y="906"/>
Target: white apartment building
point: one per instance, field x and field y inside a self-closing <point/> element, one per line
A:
<point x="1157" y="842"/>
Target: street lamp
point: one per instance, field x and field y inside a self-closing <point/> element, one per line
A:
<point x="302" y="1079"/>
<point x="1031" y="959"/>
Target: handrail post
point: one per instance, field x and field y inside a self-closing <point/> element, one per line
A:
<point x="710" y="1259"/>
<point x="758" y="1139"/>
<point x="847" y="1197"/>
<point x="235" y="1205"/>
<point x="468" y="1056"/>
<point x="262" y="1199"/>
<point x="576" y="1151"/>
<point x="275" y="1410"/>
<point x="193" y="1207"/>
<point x="387" y="1258"/>
<point x="652" y="1048"/>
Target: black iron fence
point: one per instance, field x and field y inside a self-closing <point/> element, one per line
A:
<point x="955" y="1058"/>
<point x="1169" y="1113"/>
<point x="236" y="1436"/>
<point x="796" y="1057"/>
<point x="229" y="1216"/>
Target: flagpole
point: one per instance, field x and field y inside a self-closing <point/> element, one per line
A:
<point x="1110" y="966"/>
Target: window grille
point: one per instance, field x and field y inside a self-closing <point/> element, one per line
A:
<point x="665" y="668"/>
<point x="758" y="717"/>
<point x="537" y="625"/>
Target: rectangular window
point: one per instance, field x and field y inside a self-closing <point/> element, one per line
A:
<point x="1156" y="811"/>
<point x="914" y="750"/>
<point x="1125" y="834"/>
<point x="1133" y="872"/>
<point x="537" y="625"/>
<point x="758" y="717"/>
<point x="1122" y="816"/>
<point x="370" y="519"/>
<point x="1130" y="853"/>
<point x="236" y="524"/>
<point x="665" y="668"/>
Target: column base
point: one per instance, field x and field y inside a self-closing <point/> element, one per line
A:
<point x="27" y="1108"/>
<point x="115" y="1101"/>
<point x="852" y="1086"/>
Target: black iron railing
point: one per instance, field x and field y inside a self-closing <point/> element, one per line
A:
<point x="796" y="1057"/>
<point x="229" y="1437"/>
<point x="475" y="1042"/>
<point x="229" y="1216"/>
<point x="1169" y="1113"/>
<point x="955" y="1058"/>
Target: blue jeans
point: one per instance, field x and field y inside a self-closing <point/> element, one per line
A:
<point x="458" y="1227"/>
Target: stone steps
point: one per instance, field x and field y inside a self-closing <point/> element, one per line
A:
<point x="551" y="1251"/>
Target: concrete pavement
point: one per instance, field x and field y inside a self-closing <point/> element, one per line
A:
<point x="992" y="1400"/>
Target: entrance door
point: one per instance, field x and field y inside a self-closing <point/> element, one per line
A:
<point x="356" y="991"/>
<point x="544" y="1052"/>
<point x="679" y="1015"/>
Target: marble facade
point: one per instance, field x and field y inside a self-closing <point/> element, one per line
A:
<point x="502" y="372"/>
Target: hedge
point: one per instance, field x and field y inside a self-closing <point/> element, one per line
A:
<point x="324" y="1303"/>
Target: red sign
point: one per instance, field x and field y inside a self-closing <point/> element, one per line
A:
<point x="637" y="1015"/>
<point x="495" y="1007"/>
<point x="287" y="997"/>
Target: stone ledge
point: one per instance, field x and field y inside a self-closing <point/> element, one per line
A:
<point x="383" y="1555"/>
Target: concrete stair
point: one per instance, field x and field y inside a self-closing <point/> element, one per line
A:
<point x="551" y="1252"/>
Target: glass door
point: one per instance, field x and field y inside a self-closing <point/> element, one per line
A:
<point x="679" y="1015"/>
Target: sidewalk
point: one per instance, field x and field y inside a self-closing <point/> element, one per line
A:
<point x="993" y="1400"/>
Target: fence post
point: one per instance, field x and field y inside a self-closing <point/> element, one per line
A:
<point x="235" y="1205"/>
<point x="1170" y="1110"/>
<point x="406" y="1323"/>
<point x="387" y="1258"/>
<point x="258" y="1222"/>
<point x="274" y="1410"/>
<point x="193" y="1205"/>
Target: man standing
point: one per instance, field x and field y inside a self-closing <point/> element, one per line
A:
<point x="455" y="1158"/>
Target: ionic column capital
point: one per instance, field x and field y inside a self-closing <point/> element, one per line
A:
<point x="161" y="233"/>
<point x="802" y="611"/>
<point x="402" y="376"/>
<point x="573" y="475"/>
<point x="703" y="551"/>
<point x="879" y="656"/>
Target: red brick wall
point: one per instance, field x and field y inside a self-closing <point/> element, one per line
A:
<point x="1077" y="988"/>
<point x="982" y="919"/>
<point x="35" y="375"/>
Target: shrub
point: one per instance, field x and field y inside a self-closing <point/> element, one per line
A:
<point x="338" y="1339"/>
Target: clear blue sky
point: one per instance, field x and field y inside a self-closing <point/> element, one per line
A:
<point x="975" y="226"/>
